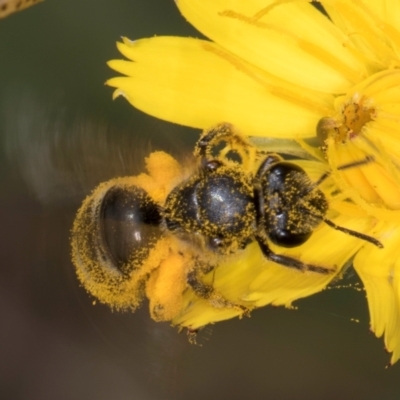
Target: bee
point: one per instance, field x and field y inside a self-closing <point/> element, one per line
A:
<point x="157" y="234"/>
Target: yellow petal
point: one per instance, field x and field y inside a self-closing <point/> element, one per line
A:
<point x="387" y="10"/>
<point x="378" y="84"/>
<point x="250" y="280"/>
<point x="293" y="41"/>
<point x="281" y="286"/>
<point x="380" y="272"/>
<point x="377" y="182"/>
<point x="368" y="28"/>
<point x="232" y="280"/>
<point x="197" y="83"/>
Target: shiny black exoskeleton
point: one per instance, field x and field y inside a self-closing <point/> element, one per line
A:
<point x="290" y="207"/>
<point x="229" y="208"/>
<point x="129" y="225"/>
<point x="223" y="207"/>
<point x="217" y="205"/>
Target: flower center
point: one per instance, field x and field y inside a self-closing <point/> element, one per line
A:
<point x="349" y="124"/>
<point x="367" y="127"/>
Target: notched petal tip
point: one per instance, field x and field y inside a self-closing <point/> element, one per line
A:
<point x="127" y="41"/>
<point x="118" y="93"/>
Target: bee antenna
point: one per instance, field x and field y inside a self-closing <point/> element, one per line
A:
<point x="354" y="164"/>
<point x="356" y="234"/>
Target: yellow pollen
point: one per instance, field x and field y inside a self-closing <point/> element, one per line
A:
<point x="354" y="116"/>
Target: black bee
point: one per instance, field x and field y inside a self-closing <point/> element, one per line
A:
<point x="133" y="232"/>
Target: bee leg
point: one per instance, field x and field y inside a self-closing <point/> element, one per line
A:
<point x="290" y="262"/>
<point x="207" y="292"/>
<point x="268" y="162"/>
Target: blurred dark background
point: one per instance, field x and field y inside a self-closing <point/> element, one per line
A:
<point x="60" y="135"/>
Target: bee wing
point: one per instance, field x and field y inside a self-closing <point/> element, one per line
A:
<point x="63" y="157"/>
<point x="8" y="7"/>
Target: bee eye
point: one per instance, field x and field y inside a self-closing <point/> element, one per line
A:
<point x="129" y="225"/>
<point x="293" y="206"/>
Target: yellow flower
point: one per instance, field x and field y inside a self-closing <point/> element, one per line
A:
<point x="282" y="69"/>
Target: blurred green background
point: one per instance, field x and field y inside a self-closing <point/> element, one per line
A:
<point x="61" y="134"/>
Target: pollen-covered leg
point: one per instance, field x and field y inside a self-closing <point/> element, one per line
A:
<point x="165" y="288"/>
<point x="208" y="293"/>
<point x="291" y="262"/>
